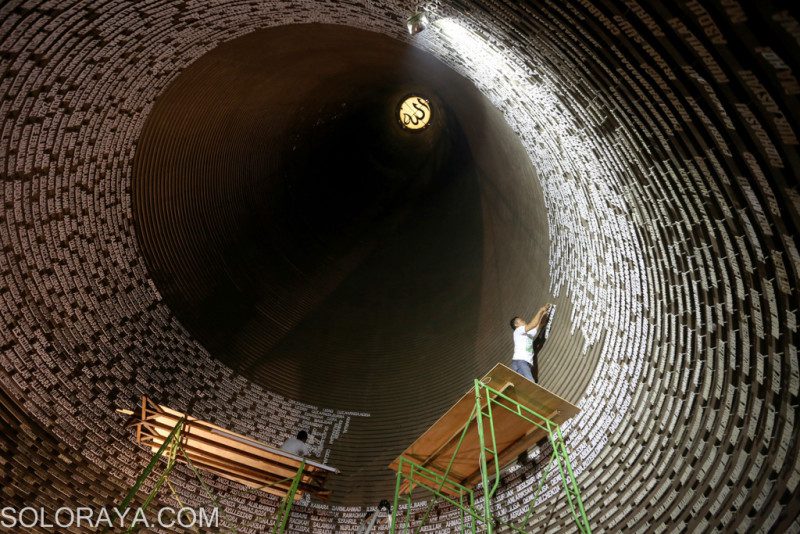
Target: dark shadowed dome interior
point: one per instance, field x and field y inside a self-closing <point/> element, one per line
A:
<point x="214" y="204"/>
<point x="300" y="233"/>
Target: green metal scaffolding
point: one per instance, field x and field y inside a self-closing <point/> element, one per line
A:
<point x="463" y="498"/>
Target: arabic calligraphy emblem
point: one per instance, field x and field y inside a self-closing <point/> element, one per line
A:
<point x="415" y="113"/>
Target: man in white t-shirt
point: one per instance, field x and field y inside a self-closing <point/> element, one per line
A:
<point x="524" y="334"/>
<point x="297" y="446"/>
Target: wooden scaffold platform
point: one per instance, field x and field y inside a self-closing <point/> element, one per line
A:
<point x="203" y="446"/>
<point x="503" y="415"/>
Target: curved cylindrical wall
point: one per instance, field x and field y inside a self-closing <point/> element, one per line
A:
<point x="664" y="144"/>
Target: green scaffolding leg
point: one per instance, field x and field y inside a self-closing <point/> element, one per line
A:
<point x="483" y="461"/>
<point x="461" y="529"/>
<point x="153" y="461"/>
<point x="408" y="513"/>
<point x="473" y="523"/>
<point x="568" y="479"/>
<point x="285" y="509"/>
<point x="396" y="500"/>
<point x="170" y="448"/>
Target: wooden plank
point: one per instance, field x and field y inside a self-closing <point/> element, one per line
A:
<point x="253" y="483"/>
<point x="435" y="448"/>
<point x="246" y="440"/>
<point x="238" y="441"/>
<point x="194" y="432"/>
<point x="193" y="438"/>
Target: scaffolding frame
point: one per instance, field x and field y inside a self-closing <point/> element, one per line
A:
<point x="173" y="443"/>
<point x="413" y="473"/>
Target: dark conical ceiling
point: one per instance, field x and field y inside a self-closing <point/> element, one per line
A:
<point x="212" y="204"/>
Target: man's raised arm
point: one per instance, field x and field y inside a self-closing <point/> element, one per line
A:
<point x="536" y="320"/>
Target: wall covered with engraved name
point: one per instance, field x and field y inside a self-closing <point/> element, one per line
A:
<point x="663" y="139"/>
